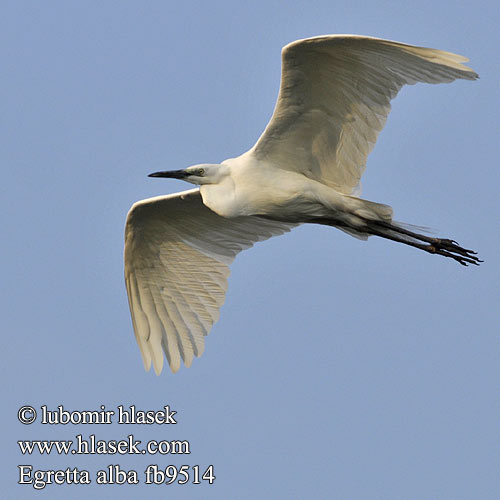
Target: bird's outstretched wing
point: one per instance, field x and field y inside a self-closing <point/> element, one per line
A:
<point x="177" y="257"/>
<point x="334" y="100"/>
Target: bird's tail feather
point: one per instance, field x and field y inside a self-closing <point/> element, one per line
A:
<point x="366" y="218"/>
<point x="369" y="210"/>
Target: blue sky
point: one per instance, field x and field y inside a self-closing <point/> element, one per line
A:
<point x="339" y="368"/>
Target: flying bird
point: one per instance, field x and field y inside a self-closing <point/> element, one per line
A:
<point x="306" y="167"/>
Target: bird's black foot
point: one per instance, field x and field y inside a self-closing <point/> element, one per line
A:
<point x="450" y="248"/>
<point x="440" y="246"/>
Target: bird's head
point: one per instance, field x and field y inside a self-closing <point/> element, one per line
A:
<point x="205" y="173"/>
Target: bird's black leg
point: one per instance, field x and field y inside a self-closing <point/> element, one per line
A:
<point x="439" y="246"/>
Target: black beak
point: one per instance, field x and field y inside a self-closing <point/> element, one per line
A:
<point x="173" y="174"/>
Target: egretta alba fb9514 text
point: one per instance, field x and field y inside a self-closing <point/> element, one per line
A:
<point x="305" y="168"/>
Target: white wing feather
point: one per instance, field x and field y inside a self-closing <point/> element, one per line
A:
<point x="334" y="100"/>
<point x="177" y="257"/>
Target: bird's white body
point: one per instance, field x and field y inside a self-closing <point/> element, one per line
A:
<point x="306" y="167"/>
<point x="254" y="187"/>
<point x="249" y="186"/>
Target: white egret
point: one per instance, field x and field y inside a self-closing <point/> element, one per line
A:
<point x="333" y="101"/>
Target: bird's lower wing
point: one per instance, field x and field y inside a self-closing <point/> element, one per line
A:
<point x="334" y="100"/>
<point x="177" y="257"/>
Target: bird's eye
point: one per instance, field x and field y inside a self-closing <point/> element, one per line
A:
<point x="201" y="171"/>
